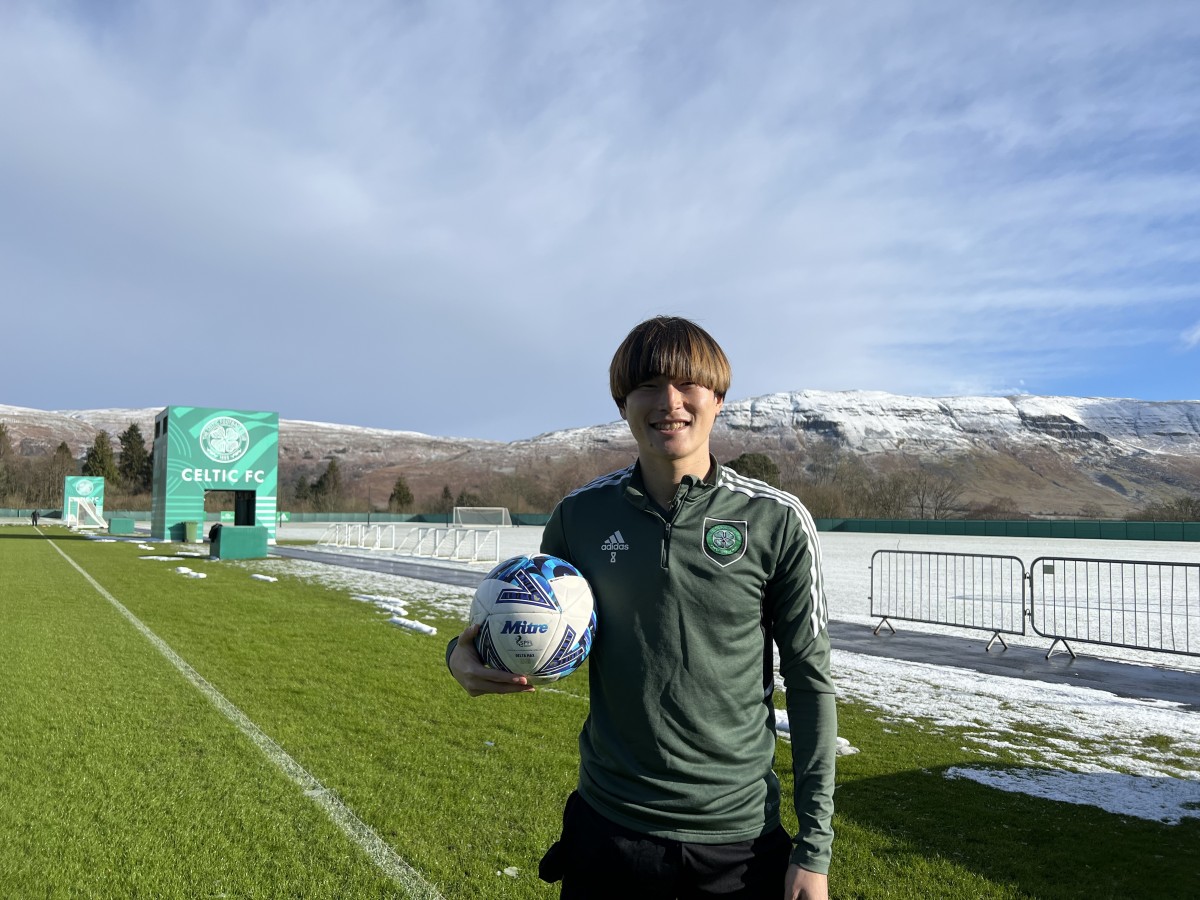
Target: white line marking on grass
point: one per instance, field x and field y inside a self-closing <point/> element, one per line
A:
<point x="379" y="851"/>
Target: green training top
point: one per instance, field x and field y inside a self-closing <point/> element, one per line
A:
<point x="680" y="737"/>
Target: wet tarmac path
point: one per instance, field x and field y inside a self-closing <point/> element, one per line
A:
<point x="1120" y="678"/>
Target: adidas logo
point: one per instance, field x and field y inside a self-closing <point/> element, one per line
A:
<point x="615" y="542"/>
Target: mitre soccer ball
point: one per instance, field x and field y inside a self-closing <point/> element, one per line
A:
<point x="536" y="617"/>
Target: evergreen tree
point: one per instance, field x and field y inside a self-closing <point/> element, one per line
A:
<point x="445" y="503"/>
<point x="99" y="461"/>
<point x="63" y="461"/>
<point x="401" y="497"/>
<point x="756" y="465"/>
<point x="135" y="467"/>
<point x="303" y="489"/>
<point x="6" y="452"/>
<point x="466" y="498"/>
<point x="327" y="490"/>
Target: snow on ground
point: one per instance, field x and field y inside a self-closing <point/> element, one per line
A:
<point x="1072" y="744"/>
<point x="1078" y="745"/>
<point x="392" y="594"/>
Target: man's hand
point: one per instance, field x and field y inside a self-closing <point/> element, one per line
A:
<point x="476" y="678"/>
<point x="801" y="884"/>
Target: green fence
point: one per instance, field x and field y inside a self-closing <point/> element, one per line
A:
<point x="376" y="518"/>
<point x="1036" y="528"/>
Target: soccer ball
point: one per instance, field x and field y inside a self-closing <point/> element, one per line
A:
<point x="537" y="618"/>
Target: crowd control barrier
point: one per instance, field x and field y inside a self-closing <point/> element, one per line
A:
<point x="1141" y="605"/>
<point x="1119" y="603"/>
<point x="963" y="589"/>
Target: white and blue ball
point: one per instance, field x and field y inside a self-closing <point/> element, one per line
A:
<point x="537" y="618"/>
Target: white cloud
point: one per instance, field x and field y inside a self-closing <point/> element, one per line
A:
<point x="1191" y="337"/>
<point x="914" y="199"/>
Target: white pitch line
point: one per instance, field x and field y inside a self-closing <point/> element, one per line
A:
<point x="378" y="850"/>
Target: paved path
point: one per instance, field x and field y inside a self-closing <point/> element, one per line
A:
<point x="1120" y="678"/>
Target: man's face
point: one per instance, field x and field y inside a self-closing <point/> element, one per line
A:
<point x="671" y="419"/>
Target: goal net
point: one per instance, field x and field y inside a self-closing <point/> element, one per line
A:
<point x="82" y="513"/>
<point x="481" y="516"/>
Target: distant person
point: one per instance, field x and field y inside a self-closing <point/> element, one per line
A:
<point x="34" y="516"/>
<point x="696" y="571"/>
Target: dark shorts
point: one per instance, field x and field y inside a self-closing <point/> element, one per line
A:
<point x="597" y="858"/>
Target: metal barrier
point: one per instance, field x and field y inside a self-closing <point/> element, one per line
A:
<point x="458" y="544"/>
<point x="1120" y="603"/>
<point x="465" y="544"/>
<point x="962" y="589"/>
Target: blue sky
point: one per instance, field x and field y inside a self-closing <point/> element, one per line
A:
<point x="443" y="217"/>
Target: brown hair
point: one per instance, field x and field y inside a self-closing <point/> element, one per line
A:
<point x="671" y="346"/>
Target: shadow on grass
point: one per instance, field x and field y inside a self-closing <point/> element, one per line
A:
<point x="26" y="533"/>
<point x="1034" y="846"/>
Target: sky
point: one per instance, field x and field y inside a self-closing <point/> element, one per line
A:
<point x="443" y="217"/>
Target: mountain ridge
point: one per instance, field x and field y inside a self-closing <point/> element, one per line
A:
<point x="1110" y="454"/>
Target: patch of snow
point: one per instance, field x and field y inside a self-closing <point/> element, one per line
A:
<point x="1166" y="800"/>
<point x="413" y="625"/>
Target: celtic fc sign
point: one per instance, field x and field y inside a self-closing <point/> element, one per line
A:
<point x="197" y="450"/>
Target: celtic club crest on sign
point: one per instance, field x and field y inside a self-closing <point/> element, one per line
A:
<point x="724" y="540"/>
<point x="224" y="439"/>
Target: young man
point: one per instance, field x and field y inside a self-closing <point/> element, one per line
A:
<point x="696" y="571"/>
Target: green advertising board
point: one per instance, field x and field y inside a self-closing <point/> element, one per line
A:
<point x="83" y="500"/>
<point x="197" y="450"/>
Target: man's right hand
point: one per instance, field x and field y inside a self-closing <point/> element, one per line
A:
<point x="476" y="678"/>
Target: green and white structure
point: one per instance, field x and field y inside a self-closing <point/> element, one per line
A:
<point x="197" y="450"/>
<point x="83" y="501"/>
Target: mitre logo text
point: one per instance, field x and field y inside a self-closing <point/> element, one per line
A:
<point x="520" y="626"/>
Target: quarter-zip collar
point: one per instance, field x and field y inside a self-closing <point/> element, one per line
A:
<point x="690" y="490"/>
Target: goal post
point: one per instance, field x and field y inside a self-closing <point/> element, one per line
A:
<point x="481" y="517"/>
<point x="83" y="514"/>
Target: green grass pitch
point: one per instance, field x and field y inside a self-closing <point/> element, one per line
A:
<point x="119" y="778"/>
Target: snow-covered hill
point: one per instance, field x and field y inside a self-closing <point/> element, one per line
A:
<point x="878" y="422"/>
<point x="862" y="421"/>
<point x="1052" y="454"/>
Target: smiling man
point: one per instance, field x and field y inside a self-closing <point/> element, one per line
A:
<point x="696" y="572"/>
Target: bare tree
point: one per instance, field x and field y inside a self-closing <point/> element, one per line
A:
<point x="890" y="495"/>
<point x="824" y="501"/>
<point x="935" y="495"/>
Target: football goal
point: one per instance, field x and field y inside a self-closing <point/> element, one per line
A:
<point x="82" y="513"/>
<point x="481" y="517"/>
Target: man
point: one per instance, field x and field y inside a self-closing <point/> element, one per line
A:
<point x="696" y="571"/>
